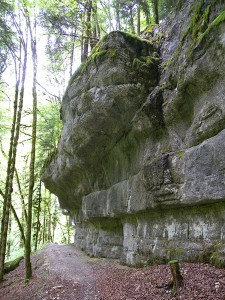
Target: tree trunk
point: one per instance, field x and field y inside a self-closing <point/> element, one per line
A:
<point x="118" y="24"/>
<point x="68" y="229"/>
<point x="9" y="240"/>
<point x="73" y="40"/>
<point x="44" y="227"/>
<point x="138" y="18"/>
<point x="96" y="28"/>
<point x="145" y="7"/>
<point x="131" y="20"/>
<point x="21" y="196"/>
<point x="156" y="11"/>
<point x="28" y="269"/>
<point x="19" y="225"/>
<point x="15" y="130"/>
<point x="38" y="217"/>
<point x="177" y="277"/>
<point x="88" y="29"/>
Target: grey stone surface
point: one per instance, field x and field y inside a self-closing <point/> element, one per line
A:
<point x="141" y="161"/>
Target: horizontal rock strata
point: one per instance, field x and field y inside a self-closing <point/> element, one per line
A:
<point x="141" y="162"/>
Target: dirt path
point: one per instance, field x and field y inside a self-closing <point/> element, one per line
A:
<point x="61" y="272"/>
<point x="72" y="265"/>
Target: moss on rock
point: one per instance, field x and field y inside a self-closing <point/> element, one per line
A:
<point x="218" y="20"/>
<point x="12" y="265"/>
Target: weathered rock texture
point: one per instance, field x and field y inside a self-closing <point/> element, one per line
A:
<point x="141" y="160"/>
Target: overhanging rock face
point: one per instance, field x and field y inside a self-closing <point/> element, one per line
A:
<point x="141" y="160"/>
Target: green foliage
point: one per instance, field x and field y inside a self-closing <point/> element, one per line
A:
<point x="6" y="34"/>
<point x="143" y="62"/>
<point x="5" y="117"/>
<point x="112" y="54"/>
<point x="49" y="123"/>
<point x="197" y="29"/>
<point x="217" y="258"/>
<point x="98" y="54"/>
<point x="175" y="253"/>
<point x="150" y="28"/>
<point x="198" y="22"/>
<point x="174" y="261"/>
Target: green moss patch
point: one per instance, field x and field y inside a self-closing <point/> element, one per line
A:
<point x="112" y="54"/>
<point x="12" y="265"/>
<point x="216" y="22"/>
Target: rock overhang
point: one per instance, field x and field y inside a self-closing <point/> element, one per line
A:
<point x="98" y="107"/>
<point x="141" y="158"/>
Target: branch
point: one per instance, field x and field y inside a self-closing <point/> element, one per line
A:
<point x="78" y="36"/>
<point x="3" y="152"/>
<point x="24" y="141"/>
<point x="21" y="194"/>
<point x="6" y="95"/>
<point x="25" y="126"/>
<point x="48" y="91"/>
<point x="19" y="224"/>
<point x="2" y="194"/>
<point x="27" y="134"/>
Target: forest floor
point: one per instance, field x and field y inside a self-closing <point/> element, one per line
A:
<point x="65" y="273"/>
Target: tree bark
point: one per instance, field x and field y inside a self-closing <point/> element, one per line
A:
<point x="38" y="217"/>
<point x="21" y="195"/>
<point x="15" y="131"/>
<point x="118" y="24"/>
<point x="145" y="7"/>
<point x="96" y="28"/>
<point x="88" y="29"/>
<point x="156" y="11"/>
<point x="138" y="18"/>
<point x="73" y="40"/>
<point x="28" y="268"/>
<point x="131" y="19"/>
<point x="177" y="277"/>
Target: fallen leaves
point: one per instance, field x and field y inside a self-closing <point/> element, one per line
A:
<point x="112" y="281"/>
<point x="201" y="281"/>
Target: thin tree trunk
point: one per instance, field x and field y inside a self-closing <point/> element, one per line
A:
<point x="109" y="16"/>
<point x="38" y="217"/>
<point x="139" y="18"/>
<point x="68" y="229"/>
<point x="177" y="277"/>
<point x="28" y="269"/>
<point x="16" y="218"/>
<point x="9" y="240"/>
<point x="44" y="227"/>
<point x="131" y="20"/>
<point x="82" y="38"/>
<point x="12" y="160"/>
<point x="21" y="195"/>
<point x="72" y="53"/>
<point x="95" y="26"/>
<point x="88" y="29"/>
<point x="146" y="10"/>
<point x="49" y="237"/>
<point x="156" y="11"/>
<point x="118" y="25"/>
<point x="19" y="224"/>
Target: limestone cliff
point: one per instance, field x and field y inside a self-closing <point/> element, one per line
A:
<point x="141" y="161"/>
